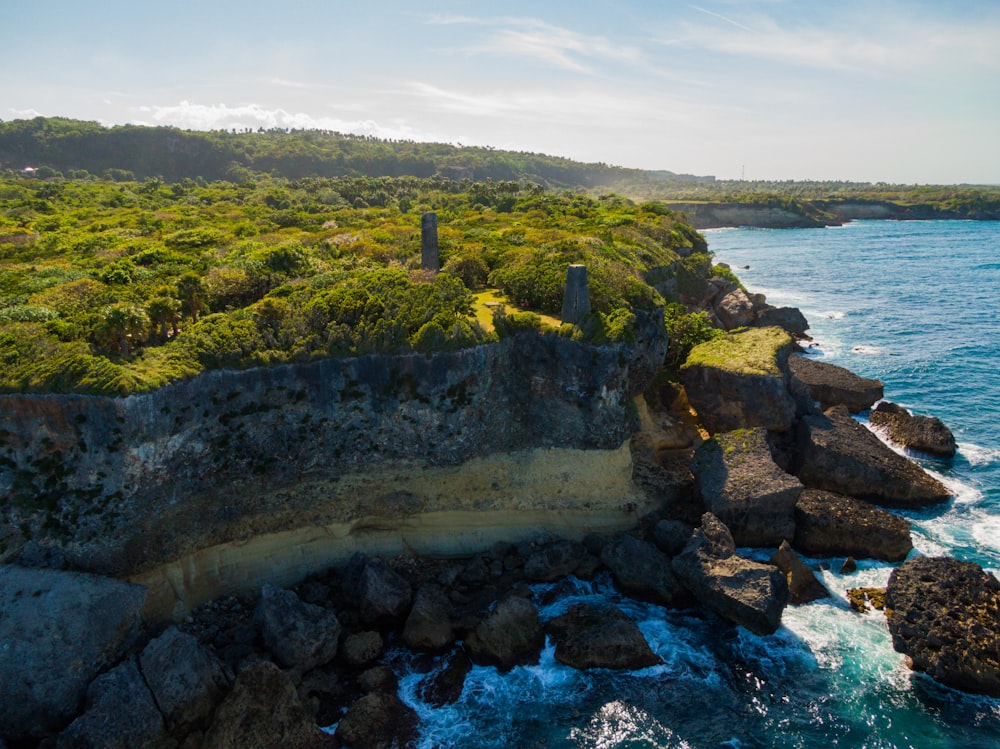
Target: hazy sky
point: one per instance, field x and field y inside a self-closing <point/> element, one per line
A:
<point x="785" y="89"/>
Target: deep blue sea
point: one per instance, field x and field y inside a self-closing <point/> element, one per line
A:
<point x="914" y="304"/>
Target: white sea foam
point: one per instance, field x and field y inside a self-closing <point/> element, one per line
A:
<point x="986" y="531"/>
<point x="978" y="456"/>
<point x="835" y="315"/>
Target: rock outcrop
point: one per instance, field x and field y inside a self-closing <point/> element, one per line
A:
<point x="428" y="626"/>
<point x="739" y="590"/>
<point x="828" y="524"/>
<point x="300" y="635"/>
<point x="740" y="381"/>
<point x="378" y="720"/>
<point x="830" y="385"/>
<point x="509" y="636"/>
<point x="803" y="586"/>
<point x="381" y="592"/>
<point x="600" y="637"/>
<point x="743" y="487"/>
<point x="926" y="434"/>
<point x="789" y="319"/>
<point x="945" y="616"/>
<point x="641" y="570"/>
<point x="838" y="454"/>
<point x="58" y="631"/>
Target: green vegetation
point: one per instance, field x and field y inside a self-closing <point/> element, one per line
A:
<point x="751" y="351"/>
<point x="685" y="330"/>
<point x="117" y="286"/>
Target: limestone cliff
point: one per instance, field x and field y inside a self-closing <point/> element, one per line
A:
<point x="235" y="473"/>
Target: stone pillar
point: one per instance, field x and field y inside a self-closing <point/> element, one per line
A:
<point x="576" y="298"/>
<point x="429" y="259"/>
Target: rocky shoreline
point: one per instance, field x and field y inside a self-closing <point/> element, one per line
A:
<point x="774" y="461"/>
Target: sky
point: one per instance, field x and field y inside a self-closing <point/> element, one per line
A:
<point x="860" y="90"/>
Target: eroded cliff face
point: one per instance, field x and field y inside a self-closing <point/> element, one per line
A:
<point x="290" y="467"/>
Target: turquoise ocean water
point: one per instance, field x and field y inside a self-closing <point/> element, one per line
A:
<point x="914" y="304"/>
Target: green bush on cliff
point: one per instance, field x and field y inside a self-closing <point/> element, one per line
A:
<point x="752" y="351"/>
<point x="685" y="330"/>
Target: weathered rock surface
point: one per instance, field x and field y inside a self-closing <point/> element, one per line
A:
<point x="509" y="636"/>
<point x="362" y="648"/>
<point x="740" y="380"/>
<point x="58" y="630"/>
<point x="671" y="536"/>
<point x="743" y="487"/>
<point x="838" y="454"/>
<point x="554" y="560"/>
<point x="641" y="570"/>
<point x="926" y="434"/>
<point x="445" y="686"/>
<point x="789" y="319"/>
<point x="739" y="590"/>
<point x="831" y="385"/>
<point x="735" y="309"/>
<point x="945" y="615"/>
<point x="428" y="627"/>
<point x="120" y="714"/>
<point x="263" y="711"/>
<point x="381" y="592"/>
<point x="828" y="524"/>
<point x="300" y="635"/>
<point x="378" y="721"/>
<point x="803" y="586"/>
<point x="186" y="679"/>
<point x="600" y="637"/>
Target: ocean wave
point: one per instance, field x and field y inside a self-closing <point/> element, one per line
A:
<point x="977" y="455"/>
<point x="618" y="723"/>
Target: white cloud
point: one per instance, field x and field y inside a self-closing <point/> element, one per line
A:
<point x="191" y="116"/>
<point x="25" y="114"/>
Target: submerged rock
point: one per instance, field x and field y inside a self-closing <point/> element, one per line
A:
<point x="739" y="590"/>
<point x="838" y="454"/>
<point x="926" y="434"/>
<point x="740" y="380"/>
<point x="58" y="630"/>
<point x="831" y="385"/>
<point x="589" y="636"/>
<point x="828" y="524"/>
<point x="743" y="487"/>
<point x="945" y="615"/>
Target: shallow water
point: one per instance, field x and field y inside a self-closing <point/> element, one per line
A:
<point x="912" y="303"/>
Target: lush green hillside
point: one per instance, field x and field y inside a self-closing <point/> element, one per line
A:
<point x="117" y="287"/>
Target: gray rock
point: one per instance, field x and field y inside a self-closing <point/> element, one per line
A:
<point x="59" y="630"/>
<point x="186" y="679"/>
<point x="428" y="627"/>
<point x="789" y="319"/>
<point x="744" y="488"/>
<point x="739" y="590"/>
<point x="945" y="615"/>
<point x="378" y="721"/>
<point x="803" y="586"/>
<point x="588" y="636"/>
<point x="926" y="434"/>
<point x="554" y="560"/>
<point x="641" y="570"/>
<point x="838" y="454"/>
<point x="362" y="648"/>
<point x="509" y="636"/>
<point x="735" y="309"/>
<point x="670" y="536"/>
<point x="831" y="385"/>
<point x="382" y="593"/>
<point x="444" y="686"/>
<point x="263" y="711"/>
<point x="828" y="525"/>
<point x="300" y="635"/>
<point x="120" y="714"/>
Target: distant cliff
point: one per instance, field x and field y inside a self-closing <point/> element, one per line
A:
<point x="190" y="488"/>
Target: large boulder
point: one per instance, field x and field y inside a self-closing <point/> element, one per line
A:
<point x="588" y="636"/>
<point x="926" y="434"/>
<point x="643" y="571"/>
<point x="838" y="454"/>
<point x="300" y="635"/>
<point x="742" y="591"/>
<point x="186" y="679"/>
<point x="428" y="627"/>
<point x="740" y="380"/>
<point x="263" y="711"/>
<point x="831" y="385"/>
<point x="828" y="525"/>
<point x="58" y="630"/>
<point x="735" y="309"/>
<point x="554" y="560"/>
<point x="744" y="488"/>
<point x="378" y="720"/>
<point x="120" y="714"/>
<point x="803" y="586"/>
<point x="789" y="319"/>
<point x="509" y="636"/>
<point x="945" y="615"/>
<point x="381" y="593"/>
